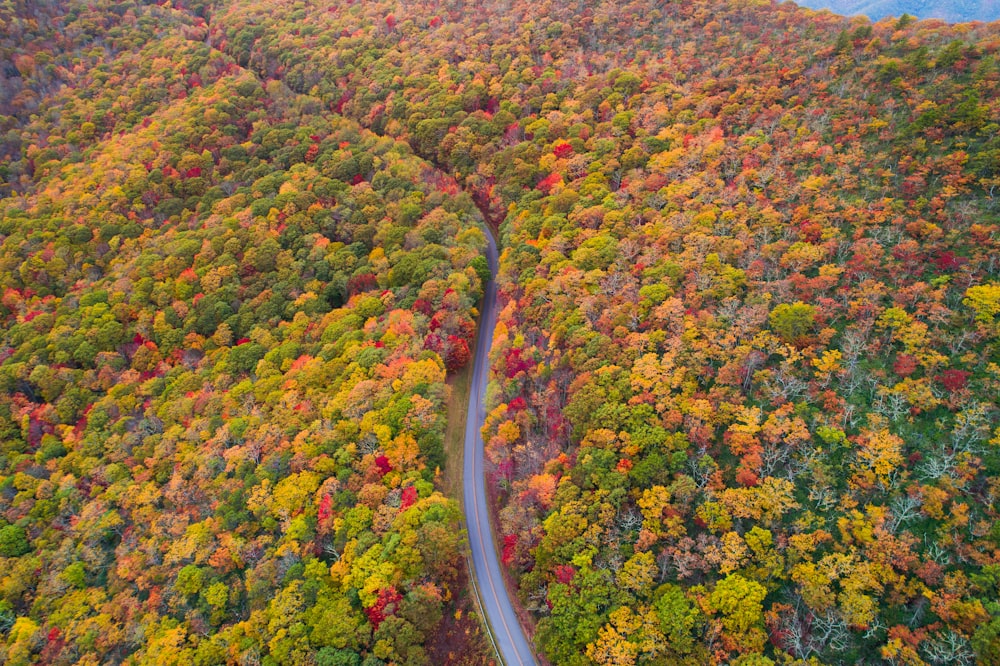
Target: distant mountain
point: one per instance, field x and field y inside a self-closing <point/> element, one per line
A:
<point x="949" y="10"/>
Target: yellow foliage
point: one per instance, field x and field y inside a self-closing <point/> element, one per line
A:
<point x="985" y="300"/>
<point x="733" y="552"/>
<point x="881" y="452"/>
<point x="829" y="362"/>
<point x="612" y="647"/>
<point x="652" y="504"/>
<point x="767" y="501"/>
<point x="814" y="586"/>
<point x="638" y="572"/>
<point x="403" y="452"/>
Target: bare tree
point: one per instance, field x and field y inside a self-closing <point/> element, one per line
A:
<point x="891" y="404"/>
<point x="938" y="466"/>
<point x="937" y="552"/>
<point x="972" y="426"/>
<point x="948" y="648"/>
<point x="830" y="630"/>
<point x="629" y="519"/>
<point x="903" y="510"/>
<point x="702" y="467"/>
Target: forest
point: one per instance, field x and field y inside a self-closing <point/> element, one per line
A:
<point x="744" y="382"/>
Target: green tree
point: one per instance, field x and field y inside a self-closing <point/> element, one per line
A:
<point x="13" y="541"/>
<point x="792" y="321"/>
<point x="739" y="602"/>
<point x="678" y="618"/>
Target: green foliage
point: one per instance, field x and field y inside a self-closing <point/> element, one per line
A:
<point x="986" y="642"/>
<point x="13" y="541"/>
<point x="189" y="580"/>
<point x="213" y="357"/>
<point x="334" y="657"/>
<point x="738" y="600"/>
<point x="482" y="269"/>
<point x="75" y="575"/>
<point x="678" y="619"/>
<point x="792" y="321"/>
<point x="237" y="258"/>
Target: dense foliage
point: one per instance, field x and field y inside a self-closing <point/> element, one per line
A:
<point x="744" y="383"/>
<point x="745" y="380"/>
<point x="227" y="323"/>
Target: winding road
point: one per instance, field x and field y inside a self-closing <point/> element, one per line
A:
<point x="508" y="636"/>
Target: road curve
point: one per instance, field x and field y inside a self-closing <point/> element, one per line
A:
<point x="509" y="637"/>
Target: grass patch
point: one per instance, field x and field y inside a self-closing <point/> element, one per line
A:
<point x="450" y="479"/>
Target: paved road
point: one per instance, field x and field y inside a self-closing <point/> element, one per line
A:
<point x="508" y="635"/>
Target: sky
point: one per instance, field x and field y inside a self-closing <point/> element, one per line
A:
<point x="949" y="10"/>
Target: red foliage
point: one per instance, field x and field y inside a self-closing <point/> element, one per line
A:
<point x="385" y="605"/>
<point x="357" y="179"/>
<point x="422" y="306"/>
<point x="557" y="423"/>
<point x="512" y="132"/>
<point x="458" y="353"/>
<point x="907" y="253"/>
<point x="409" y="498"/>
<point x="432" y="342"/>
<point x="509" y="545"/>
<point x="242" y="341"/>
<point x="54" y="644"/>
<point x="312" y="153"/>
<point x="947" y="261"/>
<point x="505" y="470"/>
<point x="515" y="363"/>
<point x="562" y="150"/>
<point x="466" y="329"/>
<point x="325" y="508"/>
<point x="954" y="380"/>
<point x="383" y="465"/>
<point x="547" y="183"/>
<point x="517" y="404"/>
<point x="390" y="21"/>
<point x="564" y="573"/>
<point x="905" y="365"/>
<point x="361" y="283"/>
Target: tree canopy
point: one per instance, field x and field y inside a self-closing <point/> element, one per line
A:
<point x="743" y="383"/>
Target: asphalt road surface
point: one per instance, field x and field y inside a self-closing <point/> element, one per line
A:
<point x="508" y="635"/>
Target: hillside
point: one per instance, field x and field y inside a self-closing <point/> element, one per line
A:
<point x="228" y="320"/>
<point x="743" y="404"/>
